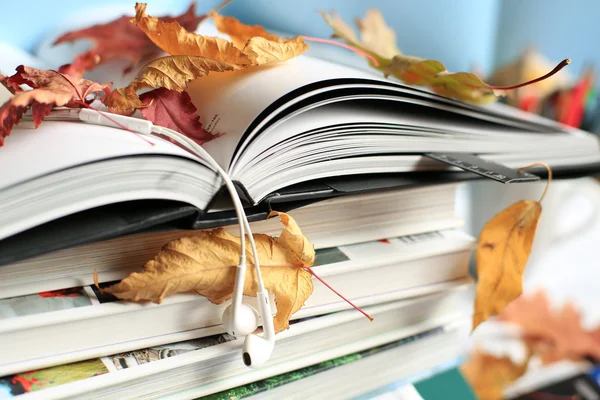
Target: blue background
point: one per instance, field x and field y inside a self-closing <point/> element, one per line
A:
<point x="463" y="33"/>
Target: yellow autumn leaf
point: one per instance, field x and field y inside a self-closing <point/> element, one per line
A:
<point x="174" y="39"/>
<point x="263" y="51"/>
<point x="376" y="35"/>
<point x="378" y="40"/>
<point x="240" y="33"/>
<point x="172" y="73"/>
<point x="489" y="375"/>
<point x="343" y="31"/>
<point x="193" y="56"/>
<point x="501" y="256"/>
<point x="206" y="263"/>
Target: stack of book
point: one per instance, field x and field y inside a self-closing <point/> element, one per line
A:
<point x="341" y="150"/>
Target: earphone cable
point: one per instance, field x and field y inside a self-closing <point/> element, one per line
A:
<point x="243" y="220"/>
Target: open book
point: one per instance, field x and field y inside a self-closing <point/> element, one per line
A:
<point x="281" y="125"/>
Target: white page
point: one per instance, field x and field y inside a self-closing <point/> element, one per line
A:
<point x="228" y="102"/>
<point x="30" y="153"/>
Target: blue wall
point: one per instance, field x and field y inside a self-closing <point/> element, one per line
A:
<point x="27" y="25"/>
<point x="558" y="29"/>
<point x="462" y="35"/>
<point x="459" y="35"/>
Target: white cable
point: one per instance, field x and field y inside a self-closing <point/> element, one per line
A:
<point x="256" y="349"/>
<point x="146" y="127"/>
<point x="241" y="214"/>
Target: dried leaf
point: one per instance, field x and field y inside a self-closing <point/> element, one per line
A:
<point x="84" y="62"/>
<point x="376" y="35"/>
<point x="489" y="375"/>
<point x="123" y="101"/>
<point x="175" y="111"/>
<point x="528" y="66"/>
<point x="263" y="51"/>
<point x="240" y="33"/>
<point x="52" y="80"/>
<point x="554" y="335"/>
<point x="503" y="249"/>
<point x="194" y="56"/>
<point x="174" y="39"/>
<point x="119" y="39"/>
<point x="206" y="263"/>
<point x="343" y="31"/>
<point x="50" y="89"/>
<point x="379" y="41"/>
<point x="172" y="73"/>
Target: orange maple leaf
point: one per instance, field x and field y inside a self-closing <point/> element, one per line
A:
<point x="553" y="334"/>
<point x="50" y="89"/>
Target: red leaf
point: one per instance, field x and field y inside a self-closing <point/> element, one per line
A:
<point x="119" y="39"/>
<point x="83" y="62"/>
<point x="175" y="111"/>
<point x="50" y="89"/>
<point x="48" y="79"/>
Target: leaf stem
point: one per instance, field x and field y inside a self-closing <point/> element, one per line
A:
<point x="556" y="69"/>
<point x="343" y="45"/>
<point x="541" y="164"/>
<point x="309" y="269"/>
<point x="222" y="5"/>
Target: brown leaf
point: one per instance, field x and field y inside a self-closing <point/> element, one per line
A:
<point x="174" y="39"/>
<point x="503" y="249"/>
<point x="50" y="89"/>
<point x="553" y="334"/>
<point x="119" y="39"/>
<point x="194" y="56"/>
<point x="123" y="101"/>
<point x="263" y="51"/>
<point x="172" y="73"/>
<point x="52" y="80"/>
<point x="240" y="33"/>
<point x="175" y="111"/>
<point x="12" y="111"/>
<point x="489" y="375"/>
<point x="206" y="263"/>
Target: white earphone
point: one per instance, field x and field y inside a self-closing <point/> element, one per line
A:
<point x="239" y="319"/>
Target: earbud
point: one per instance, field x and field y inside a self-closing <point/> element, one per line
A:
<point x="242" y="322"/>
<point x="238" y="319"/>
<point x="257" y="349"/>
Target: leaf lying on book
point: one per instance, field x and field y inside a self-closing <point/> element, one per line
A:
<point x="207" y="263"/>
<point x="172" y="73"/>
<point x="501" y="256"/>
<point x="119" y="39"/>
<point x="489" y="375"/>
<point x="240" y="33"/>
<point x="553" y="335"/>
<point x="194" y="56"/>
<point x="50" y="89"/>
<point x="379" y="41"/>
<point x="175" y="111"/>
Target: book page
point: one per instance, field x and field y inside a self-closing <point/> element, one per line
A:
<point x="229" y="102"/>
<point x="30" y="153"/>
